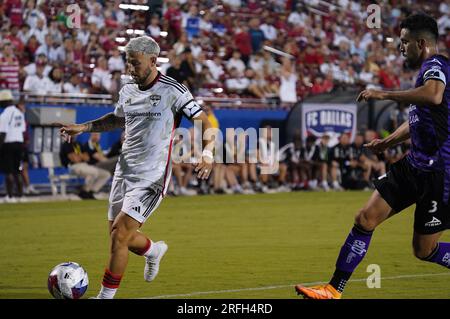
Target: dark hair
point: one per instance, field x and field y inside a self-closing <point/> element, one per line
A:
<point x="421" y="22"/>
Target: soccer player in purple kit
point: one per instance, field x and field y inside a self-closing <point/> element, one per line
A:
<point x="422" y="177"/>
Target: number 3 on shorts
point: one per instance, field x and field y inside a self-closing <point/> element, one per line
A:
<point x="433" y="206"/>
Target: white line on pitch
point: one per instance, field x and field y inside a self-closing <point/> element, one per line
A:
<point x="199" y="293"/>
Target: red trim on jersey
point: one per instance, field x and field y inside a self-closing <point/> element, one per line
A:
<point x="168" y="159"/>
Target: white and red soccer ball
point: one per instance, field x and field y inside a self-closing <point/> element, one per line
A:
<point x="68" y="281"/>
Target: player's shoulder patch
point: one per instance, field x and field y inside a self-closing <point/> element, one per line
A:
<point x="172" y="83"/>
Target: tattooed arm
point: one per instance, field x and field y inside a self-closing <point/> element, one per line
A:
<point x="107" y="122"/>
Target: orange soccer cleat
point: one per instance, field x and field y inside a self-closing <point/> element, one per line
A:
<point x="318" y="292"/>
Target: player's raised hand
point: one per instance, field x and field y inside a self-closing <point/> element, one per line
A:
<point x="370" y="94"/>
<point x="376" y="145"/>
<point x="69" y="130"/>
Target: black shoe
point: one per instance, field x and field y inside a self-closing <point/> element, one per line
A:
<point x="84" y="195"/>
<point x="91" y="195"/>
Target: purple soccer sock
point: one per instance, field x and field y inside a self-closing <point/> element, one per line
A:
<point x="440" y="255"/>
<point x="351" y="254"/>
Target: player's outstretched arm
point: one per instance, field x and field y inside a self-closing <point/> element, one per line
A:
<point x="204" y="167"/>
<point x="431" y="93"/>
<point x="107" y="122"/>
<point x="400" y="135"/>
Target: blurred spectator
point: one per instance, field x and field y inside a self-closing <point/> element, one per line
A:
<point x="398" y="116"/>
<point x="243" y="42"/>
<point x="97" y="156"/>
<point x="298" y="17"/>
<point x="9" y="68"/>
<point x="341" y="157"/>
<point x="116" y="148"/>
<point x="24" y="33"/>
<point x="288" y="86"/>
<point x="182" y="169"/>
<point x="15" y="40"/>
<point x="38" y="82"/>
<point x="31" y="47"/>
<point x="12" y="127"/>
<point x="215" y="67"/>
<point x="101" y="77"/>
<point x="174" y="71"/>
<point x="206" y="25"/>
<point x="54" y="32"/>
<point x="14" y="10"/>
<point x="187" y="68"/>
<point x="57" y="54"/>
<point x="236" y="62"/>
<point x="256" y="63"/>
<point x="115" y="62"/>
<point x="73" y="157"/>
<point x="237" y="83"/>
<point x="376" y="165"/>
<point x="154" y="29"/>
<point x="174" y="19"/>
<point x="270" y="32"/>
<point x="73" y="85"/>
<point x="191" y="22"/>
<point x="181" y="44"/>
<point x="195" y="47"/>
<point x="45" y="47"/>
<point x="41" y="58"/>
<point x="96" y="16"/>
<point x="39" y="31"/>
<point x="256" y="35"/>
<point x="32" y="15"/>
<point x="56" y="78"/>
<point x="94" y="48"/>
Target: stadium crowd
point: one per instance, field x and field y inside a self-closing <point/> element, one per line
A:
<point x="228" y="49"/>
<point x="210" y="44"/>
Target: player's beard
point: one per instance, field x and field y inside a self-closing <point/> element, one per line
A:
<point x="412" y="62"/>
<point x="141" y="80"/>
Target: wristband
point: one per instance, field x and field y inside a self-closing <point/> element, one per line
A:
<point x="207" y="153"/>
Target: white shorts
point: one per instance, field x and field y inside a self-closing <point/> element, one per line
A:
<point x="137" y="202"/>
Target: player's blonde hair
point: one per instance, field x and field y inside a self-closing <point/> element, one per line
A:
<point x="144" y="44"/>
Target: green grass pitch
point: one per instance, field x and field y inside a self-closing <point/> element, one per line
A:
<point x="250" y="246"/>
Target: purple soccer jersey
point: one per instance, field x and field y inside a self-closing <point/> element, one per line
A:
<point x="429" y="125"/>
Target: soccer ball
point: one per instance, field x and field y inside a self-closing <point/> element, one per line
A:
<point x="68" y="281"/>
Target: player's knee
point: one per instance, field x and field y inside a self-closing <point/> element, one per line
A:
<point x="120" y="236"/>
<point x="364" y="220"/>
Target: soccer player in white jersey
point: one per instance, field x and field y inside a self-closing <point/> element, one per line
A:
<point x="149" y="109"/>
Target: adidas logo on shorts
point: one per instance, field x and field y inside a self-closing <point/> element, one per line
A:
<point x="137" y="209"/>
<point x="433" y="222"/>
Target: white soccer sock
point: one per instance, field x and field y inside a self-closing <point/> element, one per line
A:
<point x="106" y="293"/>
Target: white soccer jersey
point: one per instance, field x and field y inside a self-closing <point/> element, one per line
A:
<point x="151" y="117"/>
<point x="12" y="122"/>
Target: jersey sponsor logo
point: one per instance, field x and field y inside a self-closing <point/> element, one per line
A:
<point x="143" y="114"/>
<point x="433" y="222"/>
